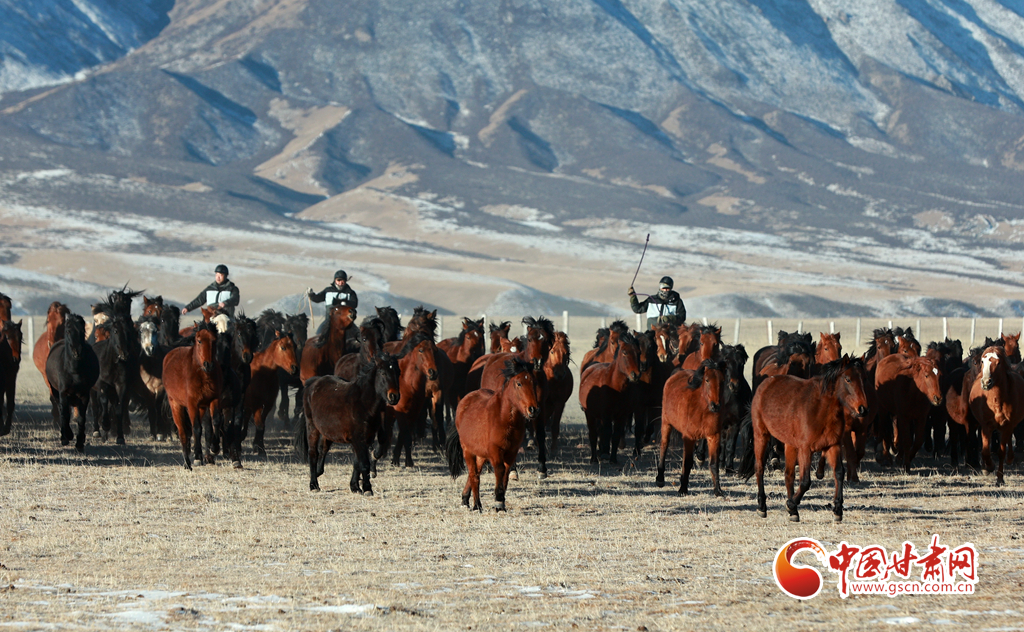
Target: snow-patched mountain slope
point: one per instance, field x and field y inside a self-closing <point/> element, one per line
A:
<point x="46" y="42"/>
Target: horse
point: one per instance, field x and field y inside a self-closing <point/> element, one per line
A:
<point x="709" y="341"/>
<point x="391" y="322"/>
<point x="422" y="320"/>
<point x="417" y="361"/>
<point x="5" y="307"/>
<point x="151" y="370"/>
<point x="605" y="345"/>
<point x="907" y="386"/>
<point x="883" y="343"/>
<point x="498" y="333"/>
<point x="646" y="393"/>
<point x="948" y="356"/>
<point x="736" y="399"/>
<point x="463" y="351"/>
<point x="605" y="399"/>
<point x="666" y="339"/>
<point x="490" y="427"/>
<point x="692" y="406"/>
<point x="152" y="307"/>
<point x="337" y="410"/>
<point x="118" y="355"/>
<point x="71" y="371"/>
<point x="807" y="415"/>
<point x="193" y="383"/>
<point x="828" y="349"/>
<point x="997" y="402"/>
<point x="55" y="317"/>
<point x="208" y="314"/>
<point x="906" y="343"/>
<point x="11" y="342"/>
<point x="261" y="391"/>
<point x="559" y="385"/>
<point x="321" y="353"/>
<point x="169" y="331"/>
<point x="235" y="350"/>
<point x="794" y="355"/>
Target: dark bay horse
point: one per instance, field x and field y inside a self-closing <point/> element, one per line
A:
<point x="559" y="385"/>
<point x="152" y="307"/>
<point x="997" y="402"/>
<point x="908" y="387"/>
<point x="604" y="397"/>
<point x="794" y="355"/>
<point x="11" y="342"/>
<point x="692" y="406"/>
<point x="709" y="341"/>
<point x="417" y="361"/>
<point x="339" y="411"/>
<point x="490" y="427"/>
<point x="807" y="415"/>
<point x="235" y="350"/>
<point x="71" y="371"/>
<point x="499" y="332"/>
<point x="55" y="317"/>
<point x="118" y="356"/>
<point x="193" y="382"/>
<point x="462" y="352"/>
<point x="5" y="307"/>
<point x="321" y="353"/>
<point x="270" y="323"/>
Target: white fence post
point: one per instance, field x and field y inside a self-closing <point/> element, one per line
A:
<point x="945" y="328"/>
<point x="831" y="326"/>
<point x="770" y="331"/>
<point x="974" y="323"/>
<point x="1000" y="327"/>
<point x="890" y="324"/>
<point x="565" y="321"/>
<point x="918" y="330"/>
<point x="639" y="323"/>
<point x="31" y="332"/>
<point x="604" y="323"/>
<point x="857" y="342"/>
<point x="705" y="321"/>
<point x="736" y="333"/>
<point x="800" y="327"/>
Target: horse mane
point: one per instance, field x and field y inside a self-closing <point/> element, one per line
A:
<point x="543" y="324"/>
<point x="121" y="300"/>
<point x="711" y="329"/>
<point x="473" y="326"/>
<point x="495" y="327"/>
<point x="831" y="371"/>
<point x="74" y="329"/>
<point x="735" y="354"/>
<point x="791" y="348"/>
<point x="513" y="367"/>
<point x="427" y="322"/>
<point x="601" y="340"/>
<point x="412" y="342"/>
<point x="619" y="327"/>
<point x="561" y="335"/>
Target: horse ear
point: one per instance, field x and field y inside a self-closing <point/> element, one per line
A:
<point x="718" y="331"/>
<point x="837" y="336"/>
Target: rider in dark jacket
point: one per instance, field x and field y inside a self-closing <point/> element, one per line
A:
<point x="221" y="293"/>
<point x="340" y="290"/>
<point x="664" y="307"/>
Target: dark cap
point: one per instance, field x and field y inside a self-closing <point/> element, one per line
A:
<point x="340" y="274"/>
<point x="221" y="269"/>
<point x="666" y="280"/>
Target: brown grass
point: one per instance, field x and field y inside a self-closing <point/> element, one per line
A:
<point x="125" y="538"/>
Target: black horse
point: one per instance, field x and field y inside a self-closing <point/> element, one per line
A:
<point x="118" y="357"/>
<point x="71" y="369"/>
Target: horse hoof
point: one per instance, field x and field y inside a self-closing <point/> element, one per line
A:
<point x="236" y="464"/>
<point x="683" y="492"/>
<point x="837" y="518"/>
<point x="660" y="482"/>
<point x="499" y="506"/>
<point x="762" y="514"/>
<point x="719" y="493"/>
<point x="542" y="474"/>
<point x="80" y="448"/>
<point x="65" y="441"/>
<point x="368" y="492"/>
<point x="210" y="459"/>
<point x="513" y="475"/>
<point x="96" y="434"/>
<point x="794" y="517"/>
<point x="159" y="437"/>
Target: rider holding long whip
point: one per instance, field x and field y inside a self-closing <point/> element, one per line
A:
<point x="664" y="307"/>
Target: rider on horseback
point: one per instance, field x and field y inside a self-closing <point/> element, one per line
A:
<point x="221" y="293"/>
<point x="664" y="307"/>
<point x="339" y="291"/>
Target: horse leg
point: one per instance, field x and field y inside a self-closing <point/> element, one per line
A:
<point x="66" y="435"/>
<point x="986" y="449"/>
<point x="835" y="460"/>
<point x="363" y="460"/>
<point x="396" y="454"/>
<point x="760" y="441"/>
<point x="854" y="446"/>
<point x="325" y="445"/>
<point x="918" y="429"/>
<point x="593" y="428"/>
<point x="353" y="483"/>
<point x="282" y="409"/>
<point x="684" y="476"/>
<point x="470" y="464"/>
<point x="540" y="428"/>
<point x="713" y="462"/>
<point x="666" y="431"/>
<point x="257" y="439"/>
<point x="1002" y="447"/>
<point x="474" y="478"/>
<point x="196" y="414"/>
<point x="80" y="409"/>
<point x="620" y="425"/>
<point x="804" y="457"/>
<point x="313" y="437"/>
<point x="184" y="426"/>
<point x="500" y="472"/>
<point x="555" y="426"/>
<point x="791" y="460"/>
<point x="123" y="397"/>
<point x="819" y="472"/>
<point x="11" y="387"/>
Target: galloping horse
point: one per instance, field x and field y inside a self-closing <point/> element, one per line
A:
<point x="997" y="402"/>
<point x="11" y="342"/>
<point x="463" y="351"/>
<point x="118" y="356"/>
<point x="692" y="406"/>
<point x="71" y="371"/>
<point x="605" y="345"/>
<point x="417" y="362"/>
<point x="56" y="314"/>
<point x="666" y="339"/>
<point x="499" y="333"/>
<point x="235" y="351"/>
<point x="948" y="356"/>
<point x="338" y="411"/>
<point x="605" y="400"/>
<point x="709" y="342"/>
<point x="321" y="353"/>
<point x="152" y="307"/>
<point x="489" y="428"/>
<point x="794" y="355"/>
<point x="5" y="307"/>
<point x="151" y="370"/>
<point x="907" y="386"/>
<point x="559" y="385"/>
<point x="193" y="382"/>
<point x="807" y="415"/>
<point x="258" y="403"/>
<point x="906" y="343"/>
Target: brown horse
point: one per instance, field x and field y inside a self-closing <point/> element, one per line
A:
<point x="883" y="343"/>
<point x="339" y="411"/>
<point x="422" y="320"/>
<point x="56" y="314"/>
<point x="559" y="385"/>
<point x="208" y="314"/>
<point x="193" y="383"/>
<point x="906" y="343"/>
<point x="321" y="353"/>
<point x="997" y="402"/>
<point x="499" y="336"/>
<point x="666" y="340"/>
<point x="794" y="355"/>
<point x="10" y="362"/>
<point x="907" y="386"/>
<point x="829" y="349"/>
<point x="1011" y="343"/>
<point x="605" y="345"/>
<point x="462" y="352"/>
<point x="417" y="360"/>
<point x="5" y="307"/>
<point x="261" y="393"/>
<point x="152" y="307"/>
<point x="489" y="428"/>
<point x="692" y="405"/>
<point x="709" y="343"/>
<point x="807" y="416"/>
<point x="604" y="397"/>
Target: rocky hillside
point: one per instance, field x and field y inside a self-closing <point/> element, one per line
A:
<point x="860" y="154"/>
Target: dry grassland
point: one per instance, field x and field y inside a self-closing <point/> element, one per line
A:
<point x="124" y="538"/>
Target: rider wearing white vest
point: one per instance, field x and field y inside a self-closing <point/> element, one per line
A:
<point x="221" y="293"/>
<point x="339" y="291"/>
<point x="664" y="307"/>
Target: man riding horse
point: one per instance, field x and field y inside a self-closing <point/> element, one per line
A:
<point x="664" y="307"/>
<point x="221" y="293"/>
<point x="337" y="293"/>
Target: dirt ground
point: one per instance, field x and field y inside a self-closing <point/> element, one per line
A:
<point x="125" y="538"/>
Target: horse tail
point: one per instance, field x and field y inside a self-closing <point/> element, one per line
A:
<point x="746" y="469"/>
<point x="453" y="451"/>
<point x="300" y="438"/>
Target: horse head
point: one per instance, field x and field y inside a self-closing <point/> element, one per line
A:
<point x="203" y="346"/>
<point x="392" y="322"/>
<point x="646" y="347"/>
<point x="1011" y="343"/>
<point x="386" y="381"/>
<point x="245" y="337"/>
<point x="12" y="333"/>
<point x="422" y="321"/>
<point x="846" y="377"/>
<point x="735" y="358"/>
<point x="120" y="330"/>
<point x="708" y="341"/>
<point x="993" y="364"/>
<point x="498" y="333"/>
<point x="539" y="336"/>
<point x="883" y="343"/>
<point x="686" y="337"/>
<point x="74" y="335"/>
<point x="520" y="378"/>
<point x="283" y="348"/>
<point x="152" y="307"/>
<point x="5" y="307"/>
<point x="627" y="357"/>
<point x="829" y="348"/>
<point x="708" y="377"/>
<point x="149" y="334"/>
<point x="665" y="337"/>
<point x="560" y="353"/>
<point x="906" y="343"/>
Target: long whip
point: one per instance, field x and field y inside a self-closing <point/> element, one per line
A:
<point x="647" y="241"/>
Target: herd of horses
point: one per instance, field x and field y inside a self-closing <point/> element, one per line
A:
<point x="357" y="383"/>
